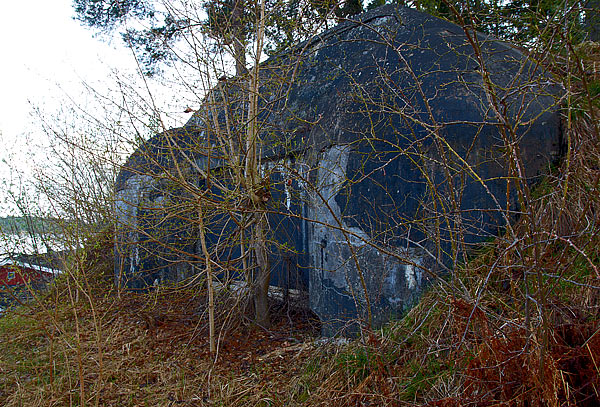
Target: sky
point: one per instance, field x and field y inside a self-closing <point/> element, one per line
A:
<point x="45" y="50"/>
<point x="46" y="58"/>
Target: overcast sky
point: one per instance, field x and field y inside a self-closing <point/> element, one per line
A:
<point x="46" y="56"/>
<point x="43" y="49"/>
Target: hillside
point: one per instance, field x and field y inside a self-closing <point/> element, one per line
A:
<point x="512" y="327"/>
<point x="27" y="224"/>
<point x="516" y="324"/>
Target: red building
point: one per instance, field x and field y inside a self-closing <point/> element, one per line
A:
<point x="15" y="274"/>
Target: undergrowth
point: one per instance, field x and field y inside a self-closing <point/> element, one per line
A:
<point x="517" y="325"/>
<point x="86" y="344"/>
<point x="494" y="344"/>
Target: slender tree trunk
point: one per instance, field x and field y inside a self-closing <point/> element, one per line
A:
<point x="239" y="38"/>
<point x="263" y="273"/>
<point x="209" y="279"/>
<point x="239" y="50"/>
<point x="255" y="187"/>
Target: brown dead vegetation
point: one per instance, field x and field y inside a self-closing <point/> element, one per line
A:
<point x="518" y="325"/>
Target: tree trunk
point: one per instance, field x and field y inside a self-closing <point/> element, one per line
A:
<point x="263" y="272"/>
<point x="209" y="279"/>
<point x="239" y="51"/>
<point x="254" y="186"/>
<point x="239" y="38"/>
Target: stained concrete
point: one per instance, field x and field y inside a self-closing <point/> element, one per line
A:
<point x="386" y="159"/>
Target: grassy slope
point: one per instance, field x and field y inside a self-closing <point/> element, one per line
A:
<point x="518" y="325"/>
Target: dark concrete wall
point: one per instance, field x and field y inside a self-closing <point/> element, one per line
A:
<point x="386" y="158"/>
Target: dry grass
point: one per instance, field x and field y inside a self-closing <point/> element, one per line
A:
<point x="471" y="342"/>
<point x="519" y="325"/>
<point x="475" y="341"/>
<point x="149" y="350"/>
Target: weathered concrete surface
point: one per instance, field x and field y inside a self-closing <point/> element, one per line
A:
<point x="386" y="155"/>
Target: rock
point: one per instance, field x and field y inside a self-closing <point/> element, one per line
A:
<point x="387" y="159"/>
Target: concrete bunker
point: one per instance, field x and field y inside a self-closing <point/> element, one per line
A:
<point x="384" y="146"/>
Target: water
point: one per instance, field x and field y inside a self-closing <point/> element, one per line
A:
<point x="24" y="243"/>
